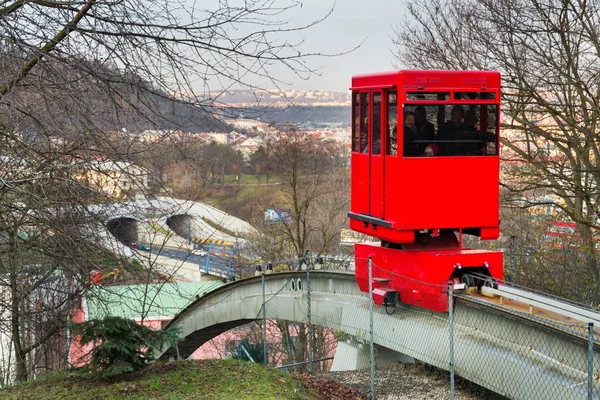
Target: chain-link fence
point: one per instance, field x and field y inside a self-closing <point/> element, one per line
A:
<point x="299" y="343"/>
<point x="500" y="344"/>
<point x="557" y="267"/>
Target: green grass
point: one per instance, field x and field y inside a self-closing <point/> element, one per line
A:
<point x="206" y="379"/>
<point x="160" y="229"/>
<point x="249" y="193"/>
<point x="246" y="201"/>
<point x="246" y="179"/>
<point x="219" y="227"/>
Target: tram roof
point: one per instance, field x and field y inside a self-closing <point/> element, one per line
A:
<point x="430" y="78"/>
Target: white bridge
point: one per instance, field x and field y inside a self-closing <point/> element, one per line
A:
<point x="166" y="222"/>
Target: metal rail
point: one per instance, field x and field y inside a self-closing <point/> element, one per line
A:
<point x="544" y="303"/>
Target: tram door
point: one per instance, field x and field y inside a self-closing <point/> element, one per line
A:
<point x="367" y="153"/>
<point x="376" y="152"/>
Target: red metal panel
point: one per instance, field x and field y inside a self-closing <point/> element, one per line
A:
<point x="359" y="201"/>
<point x="474" y="80"/>
<point x="383" y="233"/>
<point x="377" y="184"/>
<point x="376" y="80"/>
<point x="443" y="192"/>
<point x="450" y="79"/>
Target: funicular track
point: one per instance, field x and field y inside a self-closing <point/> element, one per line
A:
<point x="557" y="315"/>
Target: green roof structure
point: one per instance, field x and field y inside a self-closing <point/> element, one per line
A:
<point x="150" y="302"/>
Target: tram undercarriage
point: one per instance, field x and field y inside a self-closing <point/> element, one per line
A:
<point x="419" y="274"/>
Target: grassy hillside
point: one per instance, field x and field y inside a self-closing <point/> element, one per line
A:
<point x="206" y="379"/>
<point x="247" y="202"/>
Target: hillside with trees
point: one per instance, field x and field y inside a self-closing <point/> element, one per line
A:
<point x="71" y="73"/>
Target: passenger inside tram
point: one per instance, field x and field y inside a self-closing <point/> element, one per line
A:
<point x="425" y="129"/>
<point x="461" y="135"/>
<point x="411" y="146"/>
<point x="419" y="138"/>
<point x="450" y="130"/>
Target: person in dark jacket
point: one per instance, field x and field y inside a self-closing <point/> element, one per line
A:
<point x="417" y="143"/>
<point x="411" y="149"/>
<point x="425" y="129"/>
<point x="451" y="130"/>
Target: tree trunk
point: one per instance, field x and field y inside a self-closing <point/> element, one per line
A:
<point x="20" y="356"/>
<point x="301" y="348"/>
<point x="591" y="262"/>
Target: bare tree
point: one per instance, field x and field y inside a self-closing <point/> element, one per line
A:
<point x="312" y="207"/>
<point x="547" y="52"/>
<point x="315" y="191"/>
<point x="76" y="78"/>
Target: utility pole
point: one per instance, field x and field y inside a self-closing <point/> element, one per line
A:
<point x="264" y="315"/>
<point x="371" y="334"/>
<point x="308" y="262"/>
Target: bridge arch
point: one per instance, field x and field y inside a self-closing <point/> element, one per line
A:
<point x="487" y="337"/>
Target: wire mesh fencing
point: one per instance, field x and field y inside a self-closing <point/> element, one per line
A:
<point x="289" y="335"/>
<point x="507" y="350"/>
<point x="557" y="268"/>
<point x="502" y="348"/>
<point x="521" y="358"/>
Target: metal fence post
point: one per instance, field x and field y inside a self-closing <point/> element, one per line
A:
<point x="451" y="331"/>
<point x="308" y="262"/>
<point x="590" y="377"/>
<point x="264" y="315"/>
<point x="513" y="263"/>
<point x="189" y="238"/>
<point x="372" y="346"/>
<point x="207" y="265"/>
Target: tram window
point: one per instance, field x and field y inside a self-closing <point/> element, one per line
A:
<point x="460" y="130"/>
<point x="474" y="95"/>
<point x="392" y="122"/>
<point x="376" y="123"/>
<point x="364" y="122"/>
<point x="431" y="96"/>
<point x="355" y="122"/>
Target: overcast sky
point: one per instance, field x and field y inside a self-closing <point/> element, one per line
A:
<point x="351" y="22"/>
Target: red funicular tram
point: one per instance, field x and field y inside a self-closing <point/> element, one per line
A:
<point x="425" y="171"/>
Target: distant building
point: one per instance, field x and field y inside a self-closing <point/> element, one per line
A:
<point x="152" y="305"/>
<point x="252" y="124"/>
<point x="155" y="305"/>
<point x="117" y="179"/>
<point x="220" y="138"/>
<point x="249" y="146"/>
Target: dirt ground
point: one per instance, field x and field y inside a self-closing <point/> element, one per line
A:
<point x="399" y="382"/>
